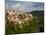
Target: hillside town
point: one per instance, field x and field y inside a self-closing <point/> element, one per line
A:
<point x="19" y="22"/>
<point x="16" y="17"/>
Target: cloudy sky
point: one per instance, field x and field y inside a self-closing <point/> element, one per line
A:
<point x="24" y="5"/>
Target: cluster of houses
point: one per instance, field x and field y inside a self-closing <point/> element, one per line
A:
<point x="16" y="17"/>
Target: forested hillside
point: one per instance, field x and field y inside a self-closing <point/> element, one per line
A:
<point x="24" y="22"/>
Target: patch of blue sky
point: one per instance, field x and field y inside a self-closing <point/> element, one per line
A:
<point x="24" y="5"/>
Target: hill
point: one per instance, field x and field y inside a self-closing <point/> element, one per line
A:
<point x="38" y="13"/>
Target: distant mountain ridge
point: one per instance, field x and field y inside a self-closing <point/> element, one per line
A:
<point x="37" y="13"/>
